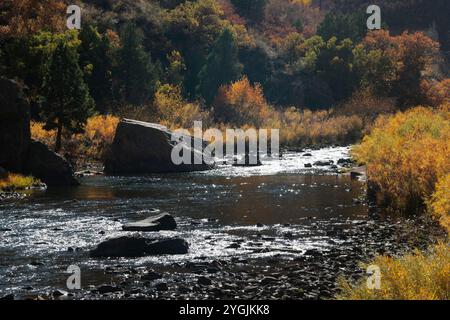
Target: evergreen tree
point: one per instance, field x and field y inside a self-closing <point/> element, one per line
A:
<point x="137" y="76"/>
<point x="67" y="101"/>
<point x="222" y="66"/>
<point x="253" y="9"/>
<point x="342" y="26"/>
<point x="96" y="62"/>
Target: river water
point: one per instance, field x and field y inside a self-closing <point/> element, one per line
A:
<point x="219" y="212"/>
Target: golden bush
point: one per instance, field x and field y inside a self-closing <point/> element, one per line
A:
<point x="439" y="204"/>
<point x="17" y="182"/>
<point x="174" y="112"/>
<point x="91" y="145"/>
<point x="416" y="276"/>
<point x="406" y="155"/>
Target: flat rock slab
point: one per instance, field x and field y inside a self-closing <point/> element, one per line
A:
<point x="163" y="221"/>
<point x="136" y="246"/>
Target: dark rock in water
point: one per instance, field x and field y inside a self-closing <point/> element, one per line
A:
<point x="345" y="161"/>
<point x="307" y="155"/>
<point x="49" y="166"/>
<point x="204" y="281"/>
<point x="355" y="174"/>
<point x="162" y="286"/>
<point x="14" y="125"/>
<point x="308" y="165"/>
<point x="163" y="221"/>
<point x="59" y="293"/>
<point x="142" y="147"/>
<point x="323" y="163"/>
<point x="234" y="246"/>
<point x="151" y="275"/>
<point x="8" y="297"/>
<point x="136" y="246"/>
<point x="267" y="280"/>
<point x="313" y="252"/>
<point x="108" y="289"/>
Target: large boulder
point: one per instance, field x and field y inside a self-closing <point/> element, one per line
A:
<point x="136" y="246"/>
<point x="163" y="221"/>
<point x="142" y="147"/>
<point x="48" y="166"/>
<point x="3" y="173"/>
<point x="14" y="125"/>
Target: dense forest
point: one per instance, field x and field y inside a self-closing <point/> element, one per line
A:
<point x="226" y="61"/>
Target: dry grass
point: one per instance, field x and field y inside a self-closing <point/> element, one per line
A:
<point x="17" y="182"/>
<point x="416" y="276"/>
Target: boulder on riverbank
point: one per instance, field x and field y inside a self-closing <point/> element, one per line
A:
<point x="48" y="166"/>
<point x="14" y="125"/>
<point x="136" y="246"/>
<point x="142" y="147"/>
<point x="3" y="173"/>
<point x="18" y="153"/>
<point x="163" y="221"/>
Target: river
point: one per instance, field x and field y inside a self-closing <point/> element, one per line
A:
<point x="229" y="215"/>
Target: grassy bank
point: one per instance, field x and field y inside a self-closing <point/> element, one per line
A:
<point x="407" y="163"/>
<point x="415" y="276"/>
<point x="13" y="182"/>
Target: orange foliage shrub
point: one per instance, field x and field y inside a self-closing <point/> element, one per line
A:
<point x="283" y="17"/>
<point x="410" y="54"/>
<point x="38" y="133"/>
<point x="99" y="135"/>
<point x="367" y="106"/>
<point x="437" y="93"/>
<point x="26" y="17"/>
<point x="242" y="103"/>
<point x="90" y="145"/>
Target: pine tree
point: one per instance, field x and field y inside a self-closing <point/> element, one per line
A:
<point x="253" y="9"/>
<point x="96" y="62"/>
<point x="222" y="66"/>
<point x="67" y="103"/>
<point x="137" y="76"/>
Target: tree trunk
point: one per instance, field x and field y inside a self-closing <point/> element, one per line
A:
<point x="58" y="137"/>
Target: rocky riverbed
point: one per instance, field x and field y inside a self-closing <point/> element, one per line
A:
<point x="282" y="230"/>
